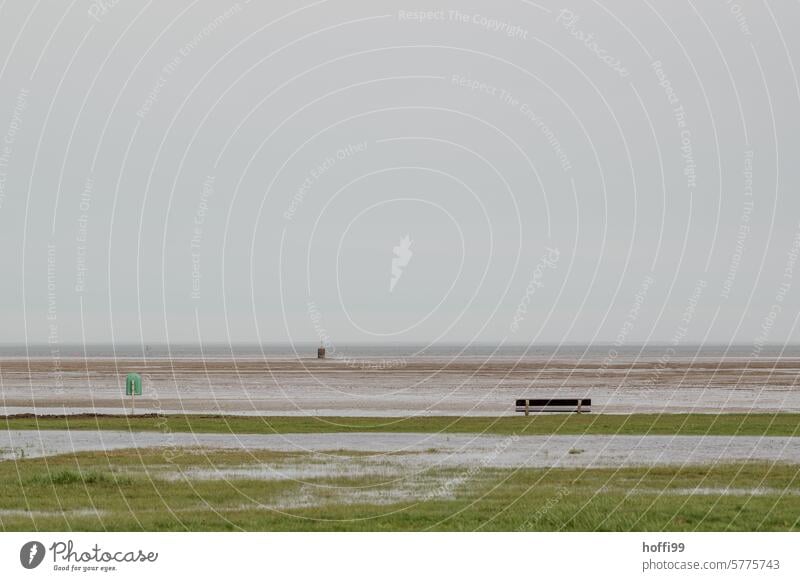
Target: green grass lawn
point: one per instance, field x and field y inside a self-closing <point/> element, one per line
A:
<point x="133" y="490"/>
<point x="670" y="424"/>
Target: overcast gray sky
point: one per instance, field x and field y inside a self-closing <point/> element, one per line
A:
<point x="382" y="171"/>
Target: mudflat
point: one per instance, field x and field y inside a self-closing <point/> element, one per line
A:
<point x="397" y="387"/>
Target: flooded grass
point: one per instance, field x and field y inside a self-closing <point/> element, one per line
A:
<point x="129" y="490"/>
<point x="68" y="477"/>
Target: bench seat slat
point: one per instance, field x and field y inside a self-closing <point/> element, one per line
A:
<point x="555" y="402"/>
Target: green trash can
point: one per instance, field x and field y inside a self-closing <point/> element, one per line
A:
<point x="133" y="387"/>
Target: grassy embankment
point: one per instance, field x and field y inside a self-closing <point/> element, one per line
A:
<point x="668" y="424"/>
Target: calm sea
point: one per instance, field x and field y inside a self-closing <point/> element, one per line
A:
<point x="274" y="350"/>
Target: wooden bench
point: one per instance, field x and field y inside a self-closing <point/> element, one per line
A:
<point x="555" y="404"/>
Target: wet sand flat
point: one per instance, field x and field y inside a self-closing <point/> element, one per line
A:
<point x="422" y="386"/>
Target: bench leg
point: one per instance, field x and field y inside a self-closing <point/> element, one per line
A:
<point x="527" y="412"/>
<point x="579" y="406"/>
